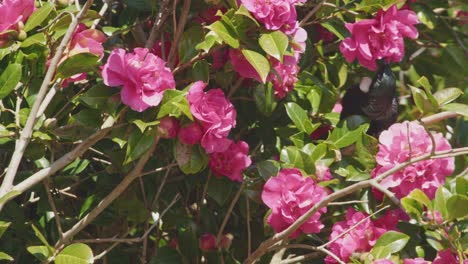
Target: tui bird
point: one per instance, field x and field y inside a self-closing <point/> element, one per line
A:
<point x="375" y="99"/>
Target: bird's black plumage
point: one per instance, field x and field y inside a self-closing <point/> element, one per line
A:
<point x="379" y="104"/>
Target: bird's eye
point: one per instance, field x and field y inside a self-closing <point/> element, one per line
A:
<point x="365" y="84"/>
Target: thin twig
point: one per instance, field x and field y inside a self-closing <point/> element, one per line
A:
<point x="103" y="10"/>
<point x="46" y="183"/>
<point x="158" y="22"/>
<point x="299" y="259"/>
<point x="311" y="13"/>
<point x="249" y="233"/>
<point x="235" y="87"/>
<point x="228" y="214"/>
<point x="178" y="33"/>
<point x="438" y="117"/>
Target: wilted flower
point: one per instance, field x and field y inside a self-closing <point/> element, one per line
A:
<point x="360" y="239"/>
<point x="406" y="140"/>
<point x="143" y="76"/>
<point x="380" y="37"/>
<point x="14" y="13"/>
<point x="215" y="113"/>
<point x="290" y="195"/>
<point x="232" y="161"/>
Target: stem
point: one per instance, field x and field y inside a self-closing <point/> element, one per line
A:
<point x="26" y="133"/>
<point x="228" y="214"/>
<point x="438" y="117"/>
<point x="162" y="15"/>
<point x="249" y="233"/>
<point x="116" y="192"/>
<point x="53" y="207"/>
<point x="178" y="34"/>
<point x="311" y="13"/>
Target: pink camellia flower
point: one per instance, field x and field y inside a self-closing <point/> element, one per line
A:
<point x="232" y="161"/>
<point x="207" y="242"/>
<point x="168" y="127"/>
<point x="394" y="149"/>
<point x="380" y="37"/>
<point x="242" y="66"/>
<point x="383" y="261"/>
<point x="274" y="14"/>
<point x="284" y="76"/>
<point x="322" y="172"/>
<point x="360" y="239"/>
<point x="434" y="216"/>
<point x="14" y="13"/>
<point x="143" y="75"/>
<point x="447" y="257"/>
<point x="290" y="195"/>
<point x="416" y="261"/>
<point x="191" y="134"/>
<point x="215" y="113"/>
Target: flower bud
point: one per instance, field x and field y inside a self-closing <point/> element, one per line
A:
<point x="168" y="127"/>
<point x="174" y="243"/>
<point x="207" y="242"/>
<point x="226" y="241"/>
<point x="190" y="134"/>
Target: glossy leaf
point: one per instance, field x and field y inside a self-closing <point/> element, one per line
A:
<point x="191" y="159"/>
<point x="447" y="95"/>
<point x="258" y="62"/>
<point x="457" y="206"/>
<point x="9" y="78"/>
<point x="461" y="109"/>
<point x="79" y="63"/>
<point x="274" y="44"/>
<point x="300" y="118"/>
<point x="42" y="253"/>
<point x="394" y="241"/>
<point x="226" y="32"/>
<point x="78" y="253"/>
<point x="39" y="16"/>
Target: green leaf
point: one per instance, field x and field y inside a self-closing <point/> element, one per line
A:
<point x="10" y="77"/>
<point x="140" y="5"/>
<point x="79" y="63"/>
<point x="42" y="253"/>
<point x="461" y="185"/>
<point x="41" y="237"/>
<point x="78" y="253"/>
<point x="166" y="255"/>
<point x="424" y="82"/>
<point x="265" y="98"/>
<point x="86" y="205"/>
<point x="3" y="227"/>
<point x="267" y="168"/>
<point x="274" y="44"/>
<point x="210" y="39"/>
<point x="457" y="206"/>
<point x="97" y="96"/>
<point x="219" y="189"/>
<point x="5" y="256"/>
<point x="190" y="158"/>
<point x="142" y="125"/>
<point x="440" y="201"/>
<point x="412" y="207"/>
<point x="421" y="197"/>
<point x="38" y="38"/>
<point x="244" y="12"/>
<point x="226" y="32"/>
<point x="447" y="95"/>
<point x="201" y="71"/>
<point x="461" y="109"/>
<point x="420" y="99"/>
<point x="258" y="62"/>
<point x="348" y="131"/>
<point x="38" y="16"/>
<point x="187" y="44"/>
<point x="175" y="104"/>
<point x="76" y="167"/>
<point x="292" y="155"/>
<point x="137" y="145"/>
<point x="394" y="241"/>
<point x="300" y="118"/>
<point x="336" y="27"/>
<point x="9" y="195"/>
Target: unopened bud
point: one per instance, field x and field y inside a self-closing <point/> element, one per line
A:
<point x="168" y="127"/>
<point x="207" y="242"/>
<point x="22" y="35"/>
<point x="226" y="241"/>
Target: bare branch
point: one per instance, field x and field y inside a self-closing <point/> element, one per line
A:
<point x="178" y="33"/>
<point x="438" y="117"/>
<point x="228" y="214"/>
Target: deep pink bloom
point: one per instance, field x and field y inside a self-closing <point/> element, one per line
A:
<point x="168" y="127"/>
<point x="323" y="34"/>
<point x="162" y="48"/>
<point x="14" y="13"/>
<point x="394" y="149"/>
<point x="220" y="57"/>
<point x="207" y="242"/>
<point x="274" y="14"/>
<point x="380" y="37"/>
<point x="143" y="75"/>
<point x="290" y="195"/>
<point x="360" y="239"/>
<point x="232" y="161"/>
<point x="87" y="40"/>
<point x="321" y="132"/>
<point x="216" y="115"/>
<point x="446" y="257"/>
<point x="416" y="261"/>
<point x="74" y="79"/>
<point x="322" y="172"/>
<point x="242" y="66"/>
<point x="284" y="75"/>
<point x="191" y="134"/>
<point x="383" y="261"/>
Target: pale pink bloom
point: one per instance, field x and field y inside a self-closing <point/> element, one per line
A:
<point x="216" y="115"/>
<point x="168" y="127"/>
<point x="290" y="195"/>
<point x="143" y="75"/>
<point x="207" y="242"/>
<point x="298" y="43"/>
<point x="434" y="216"/>
<point x="14" y="13"/>
<point x="416" y="261"/>
<point x="274" y="14"/>
<point x="360" y="239"/>
<point x="394" y="149"/>
<point x="380" y="37"/>
<point x="284" y="75"/>
<point x="74" y="79"/>
<point x="383" y="261"/>
<point x="191" y="134"/>
<point x="231" y="162"/>
<point x="322" y="172"/>
<point x="446" y="257"/>
<point x="337" y="108"/>
<point x="242" y="66"/>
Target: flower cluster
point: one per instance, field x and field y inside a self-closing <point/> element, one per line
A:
<point x="215" y="117"/>
<point x="290" y="195"/>
<point x="284" y="76"/>
<point x="14" y="13"/>
<point x="380" y="38"/>
<point x="406" y="140"/>
<point x="84" y="41"/>
<point x="361" y="238"/>
<point x="143" y="76"/>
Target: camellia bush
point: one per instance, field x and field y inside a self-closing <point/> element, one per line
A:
<point x="233" y="131"/>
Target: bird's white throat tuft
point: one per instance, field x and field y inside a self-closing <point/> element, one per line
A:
<point x="365" y="84"/>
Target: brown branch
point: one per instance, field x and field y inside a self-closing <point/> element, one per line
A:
<point x="228" y="214"/>
<point x="158" y="22"/>
<point x="438" y="117"/>
<point x="178" y="33"/>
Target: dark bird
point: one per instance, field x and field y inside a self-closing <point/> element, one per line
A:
<point x="375" y="99"/>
